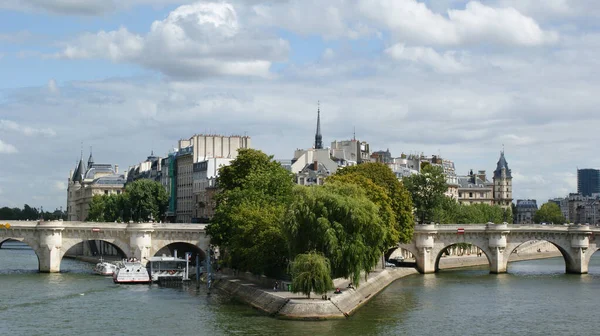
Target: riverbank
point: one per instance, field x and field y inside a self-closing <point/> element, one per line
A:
<point x="288" y="305"/>
<point x="282" y="304"/>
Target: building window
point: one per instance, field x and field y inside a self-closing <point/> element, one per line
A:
<point x="481" y="195"/>
<point x="470" y="195"/>
<point x="105" y="192"/>
<point x="459" y="194"/>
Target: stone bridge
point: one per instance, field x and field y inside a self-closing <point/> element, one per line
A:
<point x="576" y="243"/>
<point x="51" y="240"/>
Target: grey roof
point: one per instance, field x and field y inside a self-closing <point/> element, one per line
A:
<point x="522" y="204"/>
<point x="90" y="160"/>
<point x="95" y="169"/>
<point x="110" y="180"/>
<point x="502" y="164"/>
<point x="472" y="182"/>
<point x="78" y="174"/>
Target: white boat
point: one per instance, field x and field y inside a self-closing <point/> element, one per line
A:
<point x="105" y="268"/>
<point x="168" y="269"/>
<point x="131" y="271"/>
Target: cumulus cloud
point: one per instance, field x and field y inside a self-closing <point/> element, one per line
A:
<point x="194" y="40"/>
<point x="445" y="63"/>
<point x="6" y="148"/>
<point x="413" y="21"/>
<point x="8" y="125"/>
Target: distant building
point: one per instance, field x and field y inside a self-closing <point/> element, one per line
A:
<point x="525" y="210"/>
<point x="502" y="183"/>
<point x="312" y="166"/>
<point x="563" y="204"/>
<point x="588" y="181"/>
<point x="350" y="152"/>
<point x="382" y="156"/>
<point x="475" y="188"/>
<point x="204" y="188"/>
<point x="148" y="169"/>
<point x="198" y="148"/>
<point x="84" y="183"/>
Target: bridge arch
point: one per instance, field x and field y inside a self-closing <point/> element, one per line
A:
<point x="168" y="248"/>
<point x="519" y="244"/>
<point x="67" y="244"/>
<point x="485" y="250"/>
<point x="31" y="242"/>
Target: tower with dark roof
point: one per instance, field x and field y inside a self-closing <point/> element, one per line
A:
<point x="502" y="183"/>
<point x="90" y="159"/>
<point x="318" y="136"/>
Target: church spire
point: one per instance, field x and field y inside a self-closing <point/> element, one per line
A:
<point x="90" y="159"/>
<point x="318" y="136"/>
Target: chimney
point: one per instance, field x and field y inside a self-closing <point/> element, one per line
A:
<point x="116" y="169"/>
<point x="316" y="165"/>
<point x="481" y="175"/>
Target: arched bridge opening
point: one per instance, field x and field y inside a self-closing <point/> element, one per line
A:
<point x="461" y="254"/>
<point x="180" y="250"/>
<point x="80" y="255"/>
<point x="18" y="256"/>
<point x="399" y="257"/>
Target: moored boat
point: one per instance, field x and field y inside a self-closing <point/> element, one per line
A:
<point x="104" y="268"/>
<point x="131" y="272"/>
<point x="168" y="269"/>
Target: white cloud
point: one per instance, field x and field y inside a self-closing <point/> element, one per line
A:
<point x="413" y="21"/>
<point x="193" y="41"/>
<point x="60" y="186"/>
<point x="8" y="125"/>
<point x="53" y="87"/>
<point x="6" y="148"/>
<point x="445" y="63"/>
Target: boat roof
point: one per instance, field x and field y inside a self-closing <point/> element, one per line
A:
<point x="166" y="259"/>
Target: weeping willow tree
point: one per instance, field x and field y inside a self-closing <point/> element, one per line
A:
<point x="311" y="272"/>
<point x="339" y="221"/>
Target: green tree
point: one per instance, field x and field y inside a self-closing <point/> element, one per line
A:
<point x="449" y="211"/>
<point x="253" y="193"/>
<point x="311" y="272"/>
<point x="338" y="220"/>
<point x="427" y="190"/>
<point x="379" y="196"/>
<point x="402" y="205"/>
<point x="144" y="199"/>
<point x="549" y="213"/>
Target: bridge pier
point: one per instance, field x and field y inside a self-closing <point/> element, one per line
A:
<point x="498" y="263"/>
<point x="577" y="263"/>
<point x="49" y="250"/>
<point x="140" y="241"/>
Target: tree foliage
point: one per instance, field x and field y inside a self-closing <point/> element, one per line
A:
<point x="549" y="213"/>
<point x="449" y="211"/>
<point x="142" y="200"/>
<point x="401" y="203"/>
<point x="427" y="191"/>
<point x="311" y="272"/>
<point x="29" y="213"/>
<point x="338" y="220"/>
<point x="252" y="196"/>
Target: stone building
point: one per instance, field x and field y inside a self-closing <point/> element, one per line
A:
<point x="204" y="181"/>
<point x="502" y="183"/>
<point x="476" y="188"/>
<point x="350" y="152"/>
<point x="86" y="182"/>
<point x="525" y="210"/>
<point x="198" y="148"/>
<point x="149" y="169"/>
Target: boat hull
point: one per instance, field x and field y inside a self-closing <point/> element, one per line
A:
<point x="131" y="273"/>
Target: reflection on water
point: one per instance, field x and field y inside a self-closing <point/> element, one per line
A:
<point x="530" y="300"/>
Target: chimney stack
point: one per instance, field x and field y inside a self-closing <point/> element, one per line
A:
<point x="116" y="169"/>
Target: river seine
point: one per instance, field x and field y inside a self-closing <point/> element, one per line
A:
<point x="534" y="298"/>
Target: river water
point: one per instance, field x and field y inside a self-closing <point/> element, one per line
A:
<point x="534" y="298"/>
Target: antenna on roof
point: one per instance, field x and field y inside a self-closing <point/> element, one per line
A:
<point x="354" y="134"/>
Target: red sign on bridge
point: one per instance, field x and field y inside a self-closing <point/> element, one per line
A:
<point x="460" y="231"/>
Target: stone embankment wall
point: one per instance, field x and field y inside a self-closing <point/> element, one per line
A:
<point x="295" y="306"/>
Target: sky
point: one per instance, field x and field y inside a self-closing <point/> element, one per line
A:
<point x="460" y="79"/>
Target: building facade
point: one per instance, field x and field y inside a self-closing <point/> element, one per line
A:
<point x="588" y="181"/>
<point x="502" y="183"/>
<point x="199" y="148"/>
<point x="475" y="188"/>
<point x="525" y="210"/>
<point x="204" y="181"/>
<point x="86" y="182"/>
<point x="350" y="152"/>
